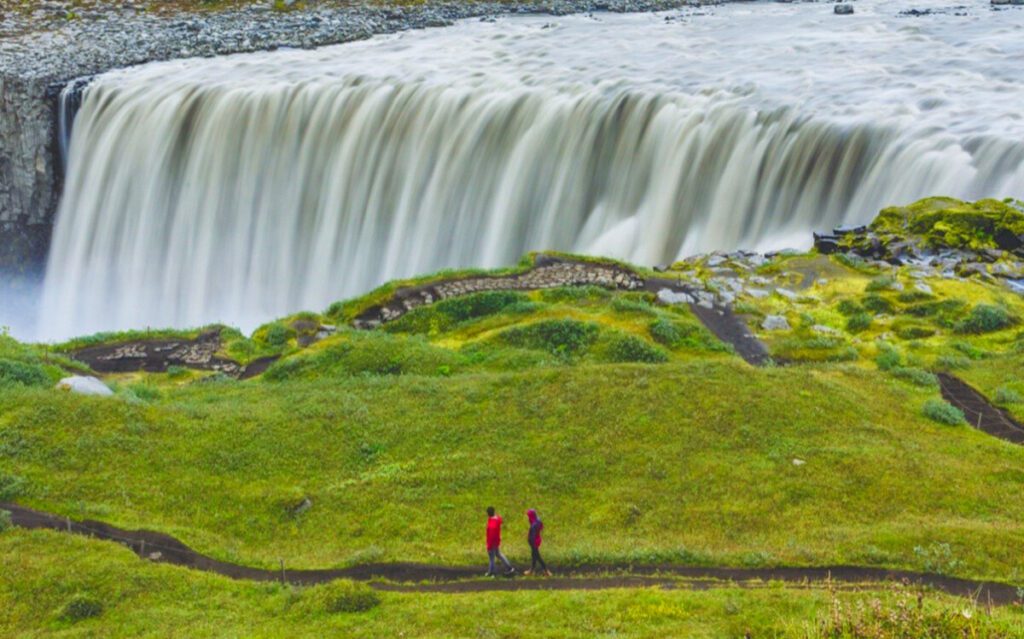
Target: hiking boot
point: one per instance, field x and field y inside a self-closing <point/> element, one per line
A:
<point x="511" y="571"/>
<point x="547" y="573"/>
<point x="527" y="572"/>
<point x="489" y="574"/>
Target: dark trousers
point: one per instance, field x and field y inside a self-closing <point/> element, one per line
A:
<point x="497" y="554"/>
<point x="535" y="559"/>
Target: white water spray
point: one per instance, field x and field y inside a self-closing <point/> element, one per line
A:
<point x="243" y="188"/>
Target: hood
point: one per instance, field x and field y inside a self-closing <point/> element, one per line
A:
<point x="531" y="515"/>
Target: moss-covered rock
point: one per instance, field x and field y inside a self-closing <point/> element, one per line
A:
<point x="942" y="222"/>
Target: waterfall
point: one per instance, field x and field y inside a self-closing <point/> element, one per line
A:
<point x="69" y="101"/>
<point x="191" y="202"/>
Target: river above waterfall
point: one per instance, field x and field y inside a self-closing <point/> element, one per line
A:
<point x="241" y="188"/>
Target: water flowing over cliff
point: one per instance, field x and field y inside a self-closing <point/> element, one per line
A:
<point x="241" y="189"/>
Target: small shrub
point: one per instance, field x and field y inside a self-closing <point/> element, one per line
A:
<point x="913" y="331"/>
<point x="5" y="521"/>
<point x="523" y="308"/>
<point x="1005" y="396"/>
<point x="665" y="332"/>
<point x="858" y="323"/>
<point x="969" y="350"/>
<point x="476" y="305"/>
<point x="11" y="487"/>
<point x="563" y="338"/>
<point x="985" y="318"/>
<point x="888" y="358"/>
<point x="912" y="296"/>
<point x="623" y="304"/>
<point x="882" y="283"/>
<point x="849" y="308"/>
<point x="943" y="412"/>
<point x="952" y="362"/>
<point x="630" y="348"/>
<point x="15" y="372"/>
<point x="877" y="304"/>
<point x="79" y="607"/>
<point x="275" y="334"/>
<point x="343" y="596"/>
<point x="177" y="372"/>
<point x="680" y="334"/>
<point x="916" y="376"/>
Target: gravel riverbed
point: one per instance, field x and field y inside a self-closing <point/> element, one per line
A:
<point x="43" y="45"/>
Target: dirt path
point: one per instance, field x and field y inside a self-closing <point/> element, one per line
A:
<point x="978" y="411"/>
<point x="409" y="577"/>
<point x="731" y="329"/>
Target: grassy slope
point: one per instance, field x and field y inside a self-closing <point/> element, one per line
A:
<point x="42" y="570"/>
<point x="690" y="462"/>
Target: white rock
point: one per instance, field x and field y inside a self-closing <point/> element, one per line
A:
<point x="786" y="293"/>
<point x="775" y="323"/>
<point x="757" y="293"/>
<point x="825" y="330"/>
<point x="798" y="462"/>
<point x="923" y="287"/>
<point x="84" y="386"/>
<point x="668" y="296"/>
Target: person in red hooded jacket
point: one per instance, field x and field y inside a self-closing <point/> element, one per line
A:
<point x="533" y="538"/>
<point x="494" y="543"/>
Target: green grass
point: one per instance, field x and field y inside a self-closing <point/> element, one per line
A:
<point x="638" y="435"/>
<point x="44" y="571"/>
<point x="673" y="462"/>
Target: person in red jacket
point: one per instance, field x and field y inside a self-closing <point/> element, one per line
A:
<point x="533" y="538"/>
<point x="494" y="543"/>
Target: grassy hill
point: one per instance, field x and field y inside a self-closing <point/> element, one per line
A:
<point x="639" y="436"/>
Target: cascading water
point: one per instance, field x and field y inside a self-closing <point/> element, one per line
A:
<point x="243" y="188"/>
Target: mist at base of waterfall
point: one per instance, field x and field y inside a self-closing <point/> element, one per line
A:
<point x="243" y="188"/>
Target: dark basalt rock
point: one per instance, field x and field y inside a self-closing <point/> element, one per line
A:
<point x="1007" y="240"/>
<point x="826" y="244"/>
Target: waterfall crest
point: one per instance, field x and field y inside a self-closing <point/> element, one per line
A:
<point x="193" y="202"/>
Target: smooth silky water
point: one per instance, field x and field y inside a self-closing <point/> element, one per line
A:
<point x="242" y="188"/>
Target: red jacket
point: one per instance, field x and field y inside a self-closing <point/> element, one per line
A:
<point x="493" y="532"/>
<point x="536" y="525"/>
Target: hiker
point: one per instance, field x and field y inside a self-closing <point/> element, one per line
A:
<point x="494" y="543"/>
<point x="533" y="538"/>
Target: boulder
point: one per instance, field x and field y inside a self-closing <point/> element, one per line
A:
<point x="843" y="9"/>
<point x="668" y="296"/>
<point x="775" y="323"/>
<point x="84" y="385"/>
<point x="826" y="244"/>
<point x="1007" y="240"/>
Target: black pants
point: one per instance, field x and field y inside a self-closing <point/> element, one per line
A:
<point x="535" y="559"/>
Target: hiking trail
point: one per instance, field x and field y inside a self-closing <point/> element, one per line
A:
<point x="413" y="577"/>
